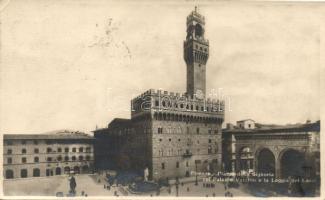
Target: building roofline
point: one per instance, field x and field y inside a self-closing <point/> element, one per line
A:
<point x="246" y="120"/>
<point x="296" y="127"/>
<point x="50" y="135"/>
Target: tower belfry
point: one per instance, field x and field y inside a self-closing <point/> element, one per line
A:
<point x="196" y="53"/>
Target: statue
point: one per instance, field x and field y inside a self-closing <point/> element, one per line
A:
<point x="73" y="185"/>
<point x="146" y="174"/>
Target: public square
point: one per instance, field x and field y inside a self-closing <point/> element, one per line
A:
<point x="93" y="185"/>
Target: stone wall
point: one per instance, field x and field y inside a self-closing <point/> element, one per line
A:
<point x="184" y="143"/>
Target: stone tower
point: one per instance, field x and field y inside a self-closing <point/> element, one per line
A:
<point x="196" y="53"/>
<point x="170" y="135"/>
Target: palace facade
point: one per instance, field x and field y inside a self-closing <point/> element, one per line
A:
<point x="56" y="153"/>
<point x="169" y="134"/>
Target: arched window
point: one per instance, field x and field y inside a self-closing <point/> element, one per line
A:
<point x="48" y="150"/>
<point x="23" y="151"/>
<point x="9" y="151"/>
<point x="36" y="172"/>
<point x="58" y="171"/>
<point x="66" y="170"/>
<point x="9" y="174"/>
<point x="73" y="149"/>
<point x="36" y="159"/>
<point x="81" y="158"/>
<point x="59" y="158"/>
<point x="76" y="170"/>
<point x="81" y="149"/>
<point x="73" y="158"/>
<point x="23" y="173"/>
<point x="66" y="158"/>
<point x="66" y="149"/>
<point x="198" y="30"/>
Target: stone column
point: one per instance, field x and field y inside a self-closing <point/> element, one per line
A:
<point x="237" y="166"/>
<point x="277" y="167"/>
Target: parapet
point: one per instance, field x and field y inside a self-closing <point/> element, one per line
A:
<point x="175" y="95"/>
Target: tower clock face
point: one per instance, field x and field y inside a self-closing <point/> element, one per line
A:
<point x="199" y="94"/>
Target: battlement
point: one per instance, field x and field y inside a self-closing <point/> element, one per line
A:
<point x="160" y="100"/>
<point x="173" y="95"/>
<point x="152" y="92"/>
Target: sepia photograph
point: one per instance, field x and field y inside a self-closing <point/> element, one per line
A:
<point x="158" y="99"/>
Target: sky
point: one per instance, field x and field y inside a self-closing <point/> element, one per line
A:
<point x="77" y="64"/>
